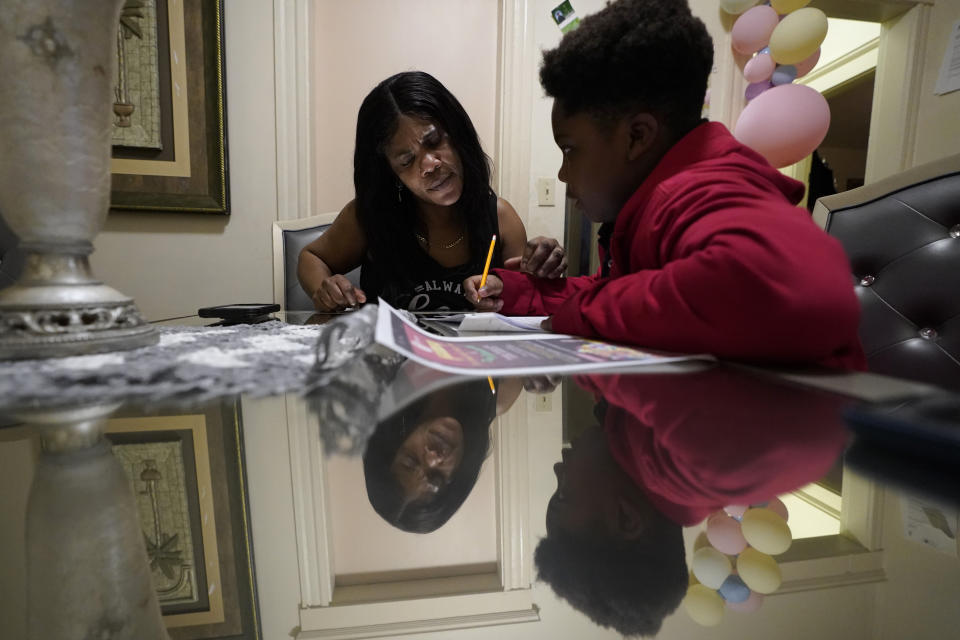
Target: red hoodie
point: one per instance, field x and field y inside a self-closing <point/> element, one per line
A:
<point x="698" y="442"/>
<point x="711" y="255"/>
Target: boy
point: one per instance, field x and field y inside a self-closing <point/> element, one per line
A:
<point x="702" y="248"/>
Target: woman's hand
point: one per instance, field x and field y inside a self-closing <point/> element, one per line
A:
<point x="485" y="299"/>
<point x="542" y="257"/>
<point x="336" y="292"/>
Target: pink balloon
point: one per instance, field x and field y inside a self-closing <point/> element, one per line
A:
<point x="725" y="535"/>
<point x="749" y="605"/>
<point x="806" y="66"/>
<point x="784" y="124"/>
<point x="759" y="68"/>
<point x="755" y="89"/>
<point x="752" y="29"/>
<point x="776" y="505"/>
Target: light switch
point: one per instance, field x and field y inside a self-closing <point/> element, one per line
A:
<point x="544" y="402"/>
<point x="545" y="189"/>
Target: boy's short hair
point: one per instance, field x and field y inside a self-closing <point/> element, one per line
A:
<point x="633" y="54"/>
<point x="629" y="587"/>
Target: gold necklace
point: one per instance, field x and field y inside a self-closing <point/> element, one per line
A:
<point x="426" y="243"/>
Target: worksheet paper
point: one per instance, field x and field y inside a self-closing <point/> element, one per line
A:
<point x="494" y="322"/>
<point x="509" y="354"/>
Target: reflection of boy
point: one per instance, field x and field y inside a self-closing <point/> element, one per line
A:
<point x="702" y="248"/>
<point x="671" y="451"/>
<point x="608" y="552"/>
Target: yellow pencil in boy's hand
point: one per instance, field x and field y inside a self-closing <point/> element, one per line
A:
<point x="486" y="267"/>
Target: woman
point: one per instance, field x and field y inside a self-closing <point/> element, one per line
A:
<point x="424" y="212"/>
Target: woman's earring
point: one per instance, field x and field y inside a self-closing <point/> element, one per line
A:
<point x="399" y="192"/>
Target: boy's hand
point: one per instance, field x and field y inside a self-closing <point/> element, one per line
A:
<point x="542" y="257"/>
<point x="547" y="325"/>
<point x="488" y="298"/>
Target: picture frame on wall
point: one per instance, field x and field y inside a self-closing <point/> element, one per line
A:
<point x="169" y="134"/>
<point x="188" y="478"/>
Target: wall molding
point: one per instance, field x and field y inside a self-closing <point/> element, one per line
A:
<point x="310" y="505"/>
<point x="516" y="78"/>
<point x="896" y="96"/>
<point x="844" y="69"/>
<point x="293" y="48"/>
<point x="417" y="616"/>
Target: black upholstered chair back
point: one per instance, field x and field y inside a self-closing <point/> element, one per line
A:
<point x="902" y="236"/>
<point x="11" y="258"/>
<point x="289" y="242"/>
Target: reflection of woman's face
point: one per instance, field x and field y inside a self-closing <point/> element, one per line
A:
<point x="428" y="458"/>
<point x="421" y="155"/>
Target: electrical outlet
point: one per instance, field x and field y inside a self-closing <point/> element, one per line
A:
<point x="544" y="402"/>
<point x="545" y="191"/>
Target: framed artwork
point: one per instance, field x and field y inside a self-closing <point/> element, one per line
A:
<point x="187" y="476"/>
<point x="169" y="128"/>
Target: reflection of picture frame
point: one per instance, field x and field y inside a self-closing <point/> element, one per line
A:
<point x="189" y="173"/>
<point x="188" y="479"/>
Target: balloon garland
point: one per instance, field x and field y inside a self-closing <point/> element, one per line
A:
<point x="782" y="121"/>
<point x="733" y="566"/>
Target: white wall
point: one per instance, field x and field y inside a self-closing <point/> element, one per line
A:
<point x="361" y="42"/>
<point x="938" y="133"/>
<point x="173" y="264"/>
<point x="919" y="600"/>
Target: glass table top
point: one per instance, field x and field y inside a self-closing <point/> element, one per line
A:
<point x="383" y="498"/>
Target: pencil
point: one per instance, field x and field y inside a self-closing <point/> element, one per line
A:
<point x="490" y="380"/>
<point x="486" y="267"/>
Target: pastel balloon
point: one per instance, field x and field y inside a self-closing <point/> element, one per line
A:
<point x="711" y="567"/>
<point x="736" y="7"/>
<point x="776" y="505"/>
<point x="766" y="531"/>
<point x="784" y="74"/>
<point x="798" y="35"/>
<point x="784" y="7"/>
<point x="735" y="510"/>
<point x="704" y="605"/>
<point x="752" y="30"/>
<point x="784" y="124"/>
<point x="749" y="605"/>
<point x="752" y="91"/>
<point x="733" y="590"/>
<point x="724" y="534"/>
<point x="806" y="65"/>
<point x="758" y="571"/>
<point x="759" y="68"/>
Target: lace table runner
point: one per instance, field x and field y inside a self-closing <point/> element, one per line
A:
<point x="195" y="362"/>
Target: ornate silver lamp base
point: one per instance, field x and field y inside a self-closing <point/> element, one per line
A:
<point x="57" y="308"/>
<point x="88" y="575"/>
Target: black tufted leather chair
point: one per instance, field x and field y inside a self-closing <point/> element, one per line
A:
<point x="902" y="235"/>
<point x="289" y="237"/>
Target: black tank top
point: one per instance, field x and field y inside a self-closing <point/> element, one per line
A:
<point x="426" y="285"/>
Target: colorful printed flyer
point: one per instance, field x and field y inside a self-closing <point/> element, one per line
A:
<point x="511" y="354"/>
